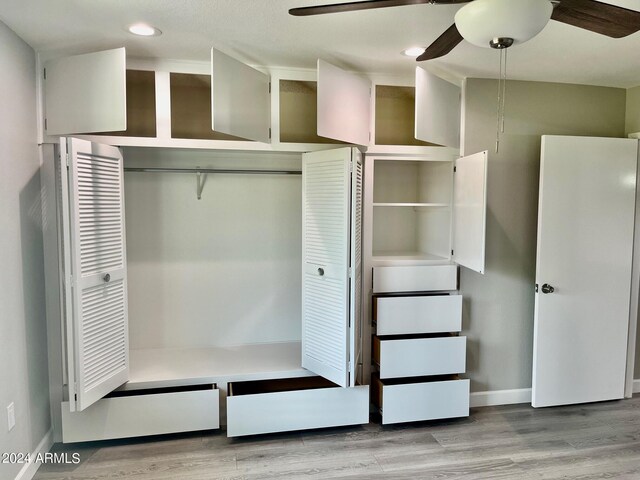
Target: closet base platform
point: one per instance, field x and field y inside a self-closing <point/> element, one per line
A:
<point x="293" y="404"/>
<point x="146" y="412"/>
<point x="417" y="399"/>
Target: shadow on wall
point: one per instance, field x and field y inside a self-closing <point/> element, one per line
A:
<point x="34" y="306"/>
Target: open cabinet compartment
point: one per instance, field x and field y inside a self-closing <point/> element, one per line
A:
<point x="293" y="404"/>
<point x="395" y="116"/>
<point x="412" y="209"/>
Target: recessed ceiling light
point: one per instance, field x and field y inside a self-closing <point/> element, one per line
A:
<point x="144" y="30"/>
<point x="413" y="51"/>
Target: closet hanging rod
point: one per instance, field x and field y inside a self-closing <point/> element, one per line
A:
<point x="213" y="170"/>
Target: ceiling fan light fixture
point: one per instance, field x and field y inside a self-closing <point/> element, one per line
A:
<point x="482" y="21"/>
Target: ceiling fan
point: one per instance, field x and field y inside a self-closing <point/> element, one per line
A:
<point x="502" y="23"/>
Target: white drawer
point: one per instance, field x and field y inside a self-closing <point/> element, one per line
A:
<point x="417" y="357"/>
<point x="427" y="400"/>
<point x="427" y="314"/>
<point x="294" y="404"/>
<point x="143" y="414"/>
<point x="427" y="278"/>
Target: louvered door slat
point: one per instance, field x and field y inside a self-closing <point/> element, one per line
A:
<point x="98" y="259"/>
<point x="325" y="290"/>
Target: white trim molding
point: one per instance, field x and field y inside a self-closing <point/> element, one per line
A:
<point x="29" y="469"/>
<point x="501" y="397"/>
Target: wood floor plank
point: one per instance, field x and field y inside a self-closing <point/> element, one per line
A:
<point x="577" y="442"/>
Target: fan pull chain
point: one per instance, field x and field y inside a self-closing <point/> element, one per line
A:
<point x="502" y="95"/>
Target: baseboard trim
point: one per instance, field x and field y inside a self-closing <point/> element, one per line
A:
<point x="29" y="469"/>
<point x="501" y="397"/>
<point x="636" y="385"/>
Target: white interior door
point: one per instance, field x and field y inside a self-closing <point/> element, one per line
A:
<point x="86" y="93"/>
<point x="344" y="105"/>
<point x="355" y="268"/>
<point x="583" y="272"/>
<point x="240" y="100"/>
<point x="326" y="211"/>
<point x="96" y="272"/>
<point x="437" y="110"/>
<point x="470" y="211"/>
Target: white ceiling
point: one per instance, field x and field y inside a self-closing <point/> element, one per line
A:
<point x="261" y="32"/>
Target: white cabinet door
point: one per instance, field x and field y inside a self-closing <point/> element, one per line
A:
<point x="437" y="110"/>
<point x="344" y="105"/>
<point x="326" y="212"/>
<point x="86" y="93"/>
<point x="240" y="101"/>
<point x="95" y="271"/>
<point x="470" y="211"/>
<point x="585" y="247"/>
<point x="355" y="267"/>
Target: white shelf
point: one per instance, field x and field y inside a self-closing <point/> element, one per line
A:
<point x="387" y="259"/>
<point x="169" y="367"/>
<point x="411" y="205"/>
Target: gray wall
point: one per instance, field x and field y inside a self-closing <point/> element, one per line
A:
<point x="633" y="110"/>
<point x="498" y="309"/>
<point x="23" y="344"/>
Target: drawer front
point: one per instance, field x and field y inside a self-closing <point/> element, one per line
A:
<point x="140" y="415"/>
<point x="420" y="357"/>
<point x="415" y="278"/>
<point x="297" y="410"/>
<point x="407" y="315"/>
<point x="425" y="401"/>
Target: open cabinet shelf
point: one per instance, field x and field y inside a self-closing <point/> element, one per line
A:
<point x="412" y="210"/>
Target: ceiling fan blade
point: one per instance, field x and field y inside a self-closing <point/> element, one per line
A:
<point x="598" y="17"/>
<point x="366" y="5"/>
<point x="442" y="45"/>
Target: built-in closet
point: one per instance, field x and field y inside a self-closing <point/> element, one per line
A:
<point x="235" y="272"/>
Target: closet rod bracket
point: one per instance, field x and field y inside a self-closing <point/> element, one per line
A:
<point x="200" y="181"/>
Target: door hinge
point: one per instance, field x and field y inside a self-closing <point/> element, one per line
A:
<point x="45" y="123"/>
<point x="349" y="366"/>
<point x="455" y="169"/>
<point x="536" y="288"/>
<point x="452" y="253"/>
<point x="350" y="272"/>
<point x="45" y="73"/>
<point x="269" y="87"/>
<point x="66" y="157"/>
<point x="269" y="133"/>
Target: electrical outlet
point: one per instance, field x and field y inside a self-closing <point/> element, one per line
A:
<point x="11" y="416"/>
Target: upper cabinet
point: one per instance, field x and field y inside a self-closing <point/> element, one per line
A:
<point x="232" y="105"/>
<point x="437" y="110"/>
<point x="86" y="93"/>
<point x="240" y="101"/>
<point x="344" y="105"/>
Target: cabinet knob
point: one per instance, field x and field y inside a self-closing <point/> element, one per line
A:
<point x="321" y="271"/>
<point x="107" y="277"/>
<point x="546" y="288"/>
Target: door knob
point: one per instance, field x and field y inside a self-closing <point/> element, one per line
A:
<point x="321" y="271"/>
<point x="546" y="288"/>
<point x="107" y="277"/>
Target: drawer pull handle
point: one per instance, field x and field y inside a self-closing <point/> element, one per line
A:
<point x="321" y="271"/>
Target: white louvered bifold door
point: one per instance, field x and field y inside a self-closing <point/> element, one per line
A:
<point x="98" y="332"/>
<point x="355" y="269"/>
<point x="326" y="210"/>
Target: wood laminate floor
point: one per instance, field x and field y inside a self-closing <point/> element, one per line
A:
<point x="512" y="442"/>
